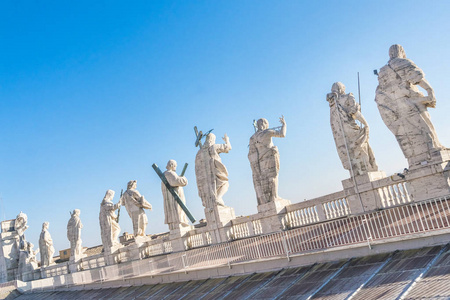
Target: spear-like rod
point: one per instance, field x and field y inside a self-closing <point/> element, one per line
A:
<point x="118" y="211"/>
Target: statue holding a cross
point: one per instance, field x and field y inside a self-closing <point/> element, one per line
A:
<point x="174" y="214"/>
<point x="212" y="175"/>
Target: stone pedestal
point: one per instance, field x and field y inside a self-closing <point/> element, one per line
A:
<point x="364" y="197"/>
<point x="218" y="221"/>
<point x="271" y="215"/>
<point x="134" y="247"/>
<point x="428" y="158"/>
<point x="430" y="180"/>
<point x="112" y="255"/>
<point x="177" y="237"/>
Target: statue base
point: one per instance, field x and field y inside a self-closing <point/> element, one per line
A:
<point x="218" y="220"/>
<point x="363" y="197"/>
<point x="178" y="235"/>
<point x="271" y="215"/>
<point x="429" y="181"/>
<point x="112" y="255"/>
<point x="428" y="158"/>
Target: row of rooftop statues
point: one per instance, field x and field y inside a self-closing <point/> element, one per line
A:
<point x="403" y="109"/>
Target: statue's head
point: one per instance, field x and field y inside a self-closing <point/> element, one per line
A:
<point x="210" y="139"/>
<point x="171" y="165"/>
<point x="76" y="212"/>
<point x="262" y="124"/>
<point x="45" y="225"/>
<point x="338" y="87"/>
<point x="132" y="184"/>
<point x="21" y="217"/>
<point x="109" y="195"/>
<point x="396" y="51"/>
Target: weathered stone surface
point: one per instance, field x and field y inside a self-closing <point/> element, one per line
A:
<point x="27" y="260"/>
<point x="46" y="246"/>
<point x="211" y="173"/>
<point x="20" y="225"/>
<point x="175" y="217"/>
<point x="74" y="235"/>
<point x="109" y="226"/>
<point x="135" y="205"/>
<point x="403" y="107"/>
<point x="352" y="141"/>
<point x="265" y="160"/>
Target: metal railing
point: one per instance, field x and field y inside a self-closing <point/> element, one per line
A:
<point x="394" y="222"/>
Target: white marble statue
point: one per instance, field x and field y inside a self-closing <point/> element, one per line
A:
<point x="46" y="246"/>
<point x="211" y="173"/>
<point x="403" y="107"/>
<point x="27" y="259"/>
<point x="174" y="215"/>
<point x="135" y="205"/>
<point x="20" y="225"/>
<point x="74" y="235"/>
<point x="265" y="160"/>
<point x="352" y="141"/>
<point x="109" y="227"/>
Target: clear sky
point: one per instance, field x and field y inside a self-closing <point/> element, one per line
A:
<point x="93" y="92"/>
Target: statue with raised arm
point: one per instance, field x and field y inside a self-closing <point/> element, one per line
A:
<point x="265" y="160"/>
<point x="352" y="141"/>
<point x="174" y="214"/>
<point x="135" y="205"/>
<point x="74" y="235"/>
<point x="403" y="107"/>
<point x="20" y="225"/>
<point x="46" y="246"/>
<point x="109" y="226"/>
<point x="211" y="173"/>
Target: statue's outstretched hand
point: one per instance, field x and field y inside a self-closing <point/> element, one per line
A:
<point x="282" y="121"/>
<point x="225" y="138"/>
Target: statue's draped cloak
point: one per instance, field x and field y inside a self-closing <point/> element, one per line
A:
<point x="211" y="174"/>
<point x="172" y="210"/>
<point x="46" y="248"/>
<point x="399" y="102"/>
<point x="342" y="110"/>
<point x="110" y="229"/>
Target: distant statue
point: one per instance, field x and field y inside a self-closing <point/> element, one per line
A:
<point x="46" y="246"/>
<point x="74" y="235"/>
<point x="352" y="141"/>
<point x="135" y="205"/>
<point x="27" y="259"/>
<point x="20" y="225"/>
<point x="109" y="226"/>
<point x="211" y="173"/>
<point x="174" y="214"/>
<point x="403" y="107"/>
<point x="265" y="160"/>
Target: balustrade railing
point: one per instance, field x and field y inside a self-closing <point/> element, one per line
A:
<point x="394" y="194"/>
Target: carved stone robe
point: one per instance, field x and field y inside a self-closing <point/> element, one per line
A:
<point x="172" y="210"/>
<point x="109" y="227"/>
<point x="265" y="163"/>
<point x="46" y="248"/>
<point x="399" y="103"/>
<point x="211" y="174"/>
<point x="74" y="235"/>
<point x="342" y="109"/>
<point x="135" y="204"/>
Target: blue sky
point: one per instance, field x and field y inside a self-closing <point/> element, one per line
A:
<point x="93" y="93"/>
